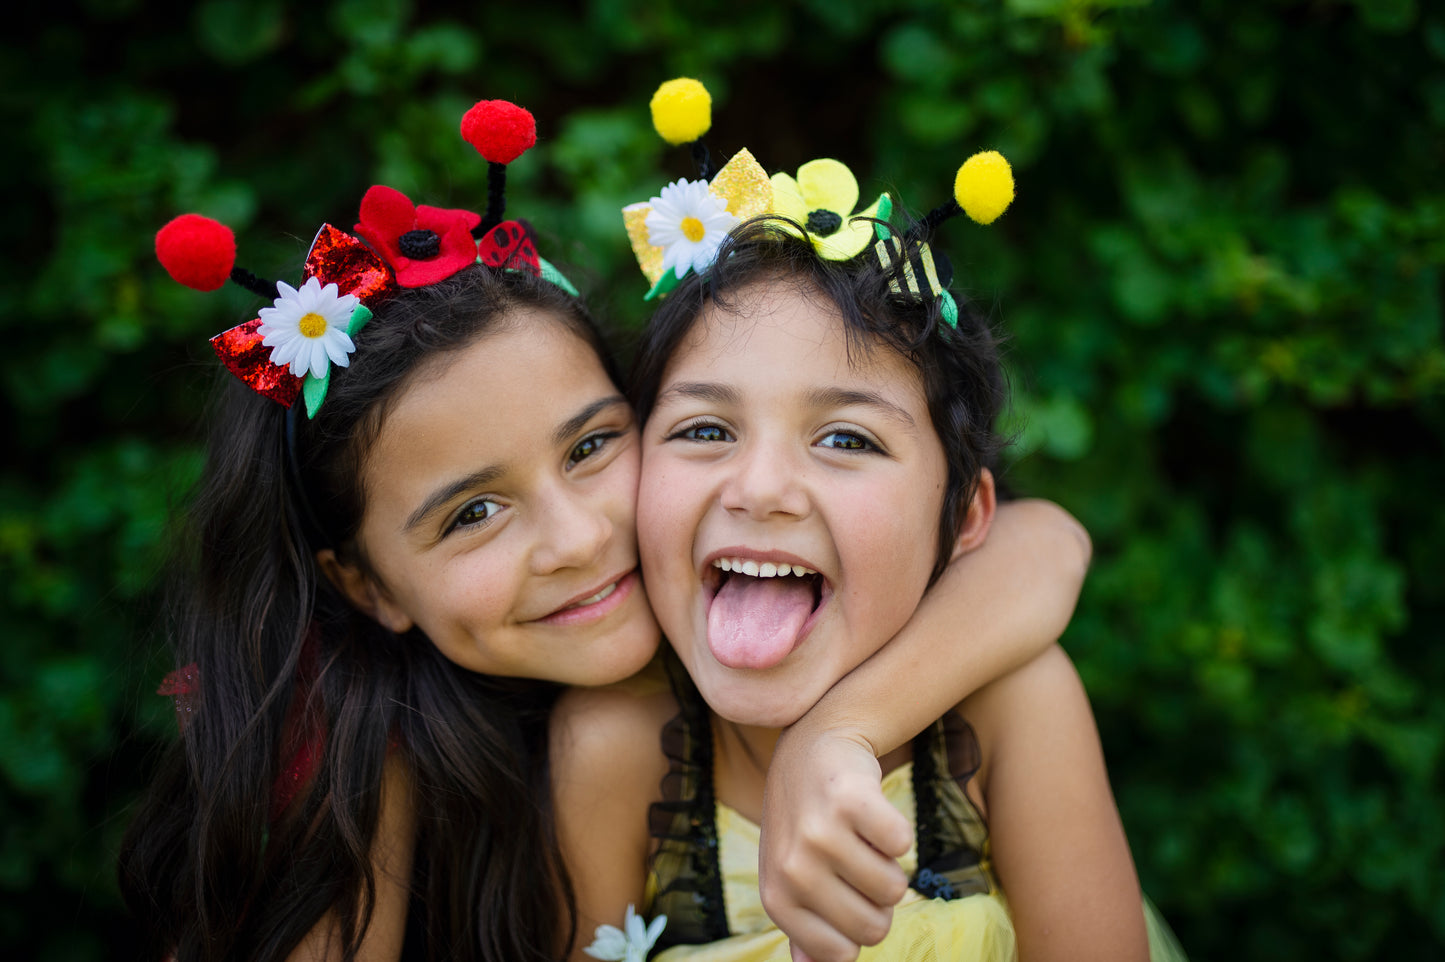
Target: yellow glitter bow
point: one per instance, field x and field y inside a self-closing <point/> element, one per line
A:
<point x="743" y="186"/>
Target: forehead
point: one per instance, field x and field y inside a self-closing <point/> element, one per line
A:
<point x="502" y="393"/>
<point x="799" y="332"/>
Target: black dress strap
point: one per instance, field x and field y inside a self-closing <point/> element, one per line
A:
<point x="951" y="834"/>
<point x="684" y="822"/>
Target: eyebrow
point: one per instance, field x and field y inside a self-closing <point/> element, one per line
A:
<point x="823" y="397"/>
<point x="491" y="473"/>
<point x="829" y="397"/>
<point x="578" y="421"/>
<point x="442" y="496"/>
<point x="700" y="391"/>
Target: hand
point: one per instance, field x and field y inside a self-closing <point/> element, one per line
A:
<point x="827" y="871"/>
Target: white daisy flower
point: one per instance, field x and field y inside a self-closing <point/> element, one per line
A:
<point x="306" y="328"/>
<point x="688" y="222"/>
<point x="629" y="943"/>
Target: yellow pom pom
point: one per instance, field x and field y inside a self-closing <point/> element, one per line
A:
<point x="984" y="186"/>
<point x="681" y="110"/>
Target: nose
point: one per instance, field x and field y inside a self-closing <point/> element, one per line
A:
<point x="766" y="481"/>
<point x="573" y="530"/>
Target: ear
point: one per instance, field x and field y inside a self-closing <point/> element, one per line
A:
<point x="979" y="517"/>
<point x="363" y="591"/>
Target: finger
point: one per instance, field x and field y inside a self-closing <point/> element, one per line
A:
<point x="811" y="938"/>
<point x="885" y="828"/>
<point x="828" y="909"/>
<point x="856" y="864"/>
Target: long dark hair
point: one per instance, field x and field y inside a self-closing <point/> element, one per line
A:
<point x="963" y="379"/>
<point x="210" y="866"/>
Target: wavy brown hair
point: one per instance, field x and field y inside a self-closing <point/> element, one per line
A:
<point x="209" y="869"/>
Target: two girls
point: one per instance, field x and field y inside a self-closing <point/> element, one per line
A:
<point x="383" y="603"/>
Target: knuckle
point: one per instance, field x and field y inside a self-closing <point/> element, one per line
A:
<point x="794" y="868"/>
<point x="841" y="952"/>
<point x="871" y="931"/>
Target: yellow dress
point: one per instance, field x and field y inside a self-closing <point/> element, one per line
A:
<point x="976" y="927"/>
<point x="705" y="874"/>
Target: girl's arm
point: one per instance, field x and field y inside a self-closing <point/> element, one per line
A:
<point x="825" y="821"/>
<point x="391" y="856"/>
<point x="606" y="768"/>
<point x="1057" y="842"/>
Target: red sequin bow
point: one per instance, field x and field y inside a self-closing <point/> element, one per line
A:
<point x="335" y="258"/>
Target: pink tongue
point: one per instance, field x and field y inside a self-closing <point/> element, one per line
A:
<point x="754" y="622"/>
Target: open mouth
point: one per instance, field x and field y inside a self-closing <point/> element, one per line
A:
<point x="760" y="611"/>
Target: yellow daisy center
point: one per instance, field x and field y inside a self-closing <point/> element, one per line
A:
<point x="692" y="229"/>
<point x="311" y="325"/>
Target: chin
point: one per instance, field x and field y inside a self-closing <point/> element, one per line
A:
<point x="749" y="701"/>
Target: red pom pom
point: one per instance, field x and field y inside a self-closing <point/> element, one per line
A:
<point x="197" y="251"/>
<point x="501" y="131"/>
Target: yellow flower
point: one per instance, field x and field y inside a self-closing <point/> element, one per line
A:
<point x="822" y="199"/>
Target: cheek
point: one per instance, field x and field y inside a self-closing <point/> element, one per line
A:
<point x="466" y="599"/>
<point x="662" y="508"/>
<point x="894" y="531"/>
<point x="621" y="492"/>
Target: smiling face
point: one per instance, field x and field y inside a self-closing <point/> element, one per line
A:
<point x="500" y="511"/>
<point x="771" y="451"/>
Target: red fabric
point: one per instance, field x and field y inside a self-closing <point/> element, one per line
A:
<point x="338" y="258"/>
<point x="510" y="245"/>
<point x="184" y="685"/>
<point x="197" y="251"/>
<point x="305" y="735"/>
<point x="241" y="350"/>
<point x="501" y="131"/>
<point x="386" y="214"/>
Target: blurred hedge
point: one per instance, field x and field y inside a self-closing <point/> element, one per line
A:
<point x="1222" y="278"/>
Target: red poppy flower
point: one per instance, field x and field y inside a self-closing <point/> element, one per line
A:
<point x="423" y="244"/>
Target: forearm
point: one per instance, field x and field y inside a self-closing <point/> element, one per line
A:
<point x="991" y="611"/>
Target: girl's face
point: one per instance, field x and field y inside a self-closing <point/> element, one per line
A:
<point x="771" y="451"/>
<point x="500" y="512"/>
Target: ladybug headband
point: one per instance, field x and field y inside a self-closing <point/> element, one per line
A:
<point x="289" y="349"/>
<point x="679" y="231"/>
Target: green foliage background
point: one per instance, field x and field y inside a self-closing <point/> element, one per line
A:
<point x="1222" y="278"/>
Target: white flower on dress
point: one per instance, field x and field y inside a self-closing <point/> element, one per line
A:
<point x="307" y="328"/>
<point x="688" y="222"/>
<point x="629" y="943"/>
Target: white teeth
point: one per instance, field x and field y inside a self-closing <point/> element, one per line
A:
<point x="766" y="569"/>
<point x="597" y="597"/>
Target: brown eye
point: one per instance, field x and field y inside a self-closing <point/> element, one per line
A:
<point x="587" y="447"/>
<point x="477" y="512"/>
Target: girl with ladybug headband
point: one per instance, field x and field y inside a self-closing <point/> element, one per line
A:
<point x="415" y="530"/>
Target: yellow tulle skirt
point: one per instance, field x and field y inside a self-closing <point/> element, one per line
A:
<point x="973" y="929"/>
<point x="977" y="929"/>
